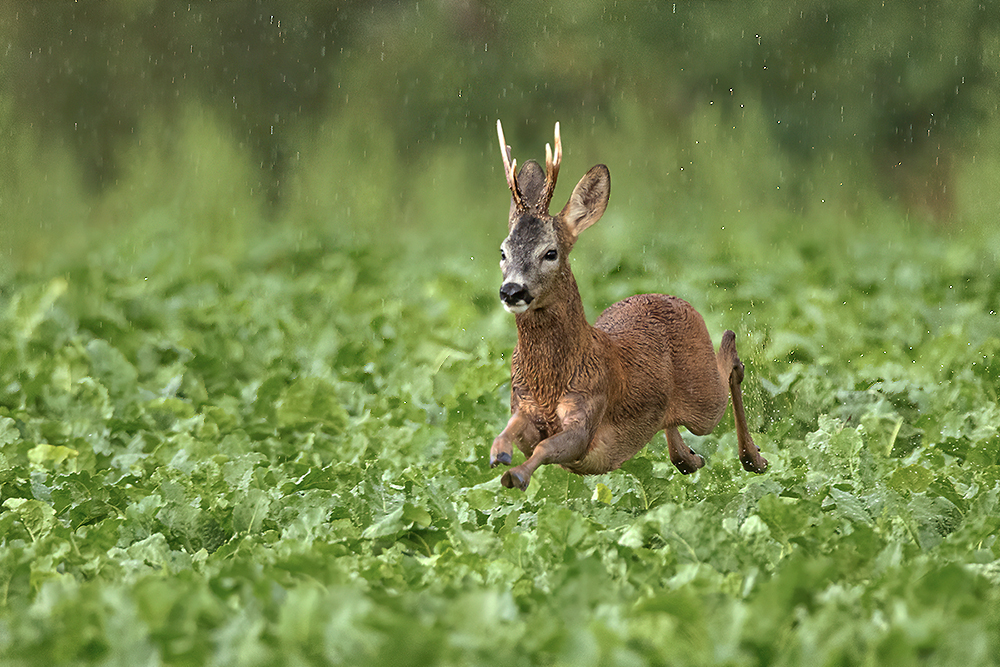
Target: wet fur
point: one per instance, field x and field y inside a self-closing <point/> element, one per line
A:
<point x="589" y="397"/>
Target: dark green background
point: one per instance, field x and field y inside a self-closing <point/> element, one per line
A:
<point x="347" y="115"/>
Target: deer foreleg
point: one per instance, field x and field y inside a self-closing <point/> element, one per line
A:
<point x="579" y="415"/>
<point x="564" y="447"/>
<point x="520" y="430"/>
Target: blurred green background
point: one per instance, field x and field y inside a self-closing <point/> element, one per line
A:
<point x="212" y="124"/>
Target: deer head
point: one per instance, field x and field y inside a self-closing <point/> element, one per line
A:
<point x="534" y="256"/>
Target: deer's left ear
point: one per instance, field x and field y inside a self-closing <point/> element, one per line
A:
<point x="589" y="199"/>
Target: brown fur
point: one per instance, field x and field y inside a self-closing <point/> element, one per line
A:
<point x="590" y="397"/>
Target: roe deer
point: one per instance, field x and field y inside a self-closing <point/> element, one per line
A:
<point x="590" y="397"/>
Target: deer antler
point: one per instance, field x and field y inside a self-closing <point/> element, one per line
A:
<point x="551" y="171"/>
<point x="509" y="168"/>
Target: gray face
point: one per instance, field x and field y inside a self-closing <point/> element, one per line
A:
<point x="530" y="258"/>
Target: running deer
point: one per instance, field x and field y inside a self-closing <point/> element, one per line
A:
<point x="590" y="397"/>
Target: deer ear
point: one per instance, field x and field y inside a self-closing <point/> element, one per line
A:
<point x="589" y="199"/>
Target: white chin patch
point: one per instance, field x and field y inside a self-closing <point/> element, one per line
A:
<point x="516" y="308"/>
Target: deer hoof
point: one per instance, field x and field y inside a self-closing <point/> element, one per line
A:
<point x="689" y="465"/>
<point x="502" y="457"/>
<point x="512" y="479"/>
<point x="753" y="462"/>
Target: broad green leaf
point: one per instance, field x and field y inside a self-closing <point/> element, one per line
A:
<point x="8" y="431"/>
<point x="250" y="511"/>
<point x="784" y="516"/>
<point x="934" y="518"/>
<point x="402" y="518"/>
<point x="112" y="368"/>
<point x="308" y="401"/>
<point x="32" y="305"/>
<point x="51" y="455"/>
<point x="602" y="494"/>
<point x="915" y="478"/>
<point x="38" y="518"/>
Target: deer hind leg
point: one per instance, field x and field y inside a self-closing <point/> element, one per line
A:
<point x="682" y="456"/>
<point x="731" y="370"/>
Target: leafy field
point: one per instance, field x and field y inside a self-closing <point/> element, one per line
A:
<point x="280" y="458"/>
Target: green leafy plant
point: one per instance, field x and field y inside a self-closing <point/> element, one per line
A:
<point x="281" y="457"/>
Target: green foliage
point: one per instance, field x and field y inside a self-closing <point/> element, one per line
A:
<point x="248" y="387"/>
<point x="281" y="458"/>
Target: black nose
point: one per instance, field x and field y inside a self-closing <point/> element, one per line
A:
<point x="512" y="293"/>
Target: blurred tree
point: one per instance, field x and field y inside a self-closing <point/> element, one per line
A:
<point x="89" y="72"/>
<point x="891" y="89"/>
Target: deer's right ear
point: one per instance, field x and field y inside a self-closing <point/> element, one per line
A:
<point x="589" y="199"/>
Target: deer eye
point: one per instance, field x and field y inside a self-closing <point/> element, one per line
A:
<point x="551" y="255"/>
<point x="503" y="255"/>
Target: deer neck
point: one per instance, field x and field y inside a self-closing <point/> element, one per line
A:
<point x="553" y="340"/>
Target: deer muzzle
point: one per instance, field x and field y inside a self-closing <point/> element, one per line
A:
<point x="515" y="297"/>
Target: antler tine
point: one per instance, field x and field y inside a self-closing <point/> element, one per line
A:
<point x="509" y="167"/>
<point x="552" y="168"/>
<point x="557" y="159"/>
